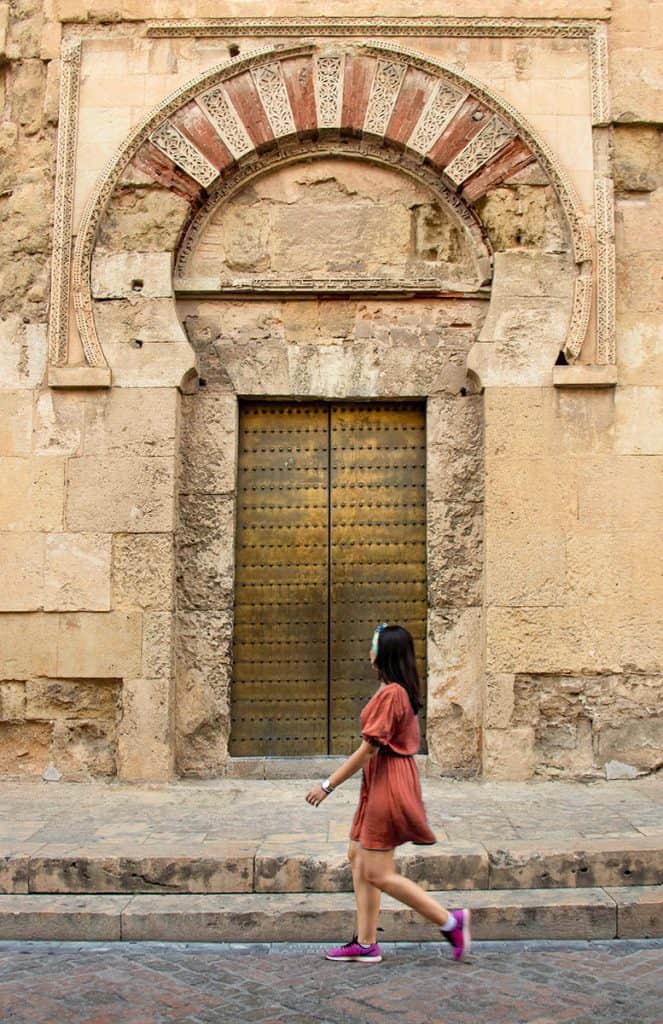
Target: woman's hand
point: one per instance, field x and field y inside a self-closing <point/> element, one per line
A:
<point x="316" y="795"/>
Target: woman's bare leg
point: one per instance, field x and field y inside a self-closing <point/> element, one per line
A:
<point x="377" y="869"/>
<point x="367" y="898"/>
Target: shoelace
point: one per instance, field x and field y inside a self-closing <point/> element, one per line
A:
<point x="355" y="940"/>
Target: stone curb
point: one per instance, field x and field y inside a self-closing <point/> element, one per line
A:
<point x="584" y="913"/>
<point x="312" y="866"/>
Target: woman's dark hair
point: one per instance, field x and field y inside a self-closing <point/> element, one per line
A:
<point x="395" y="662"/>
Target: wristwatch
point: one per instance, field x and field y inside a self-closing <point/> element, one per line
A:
<point x="327" y="786"/>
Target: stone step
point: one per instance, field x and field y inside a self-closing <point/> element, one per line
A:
<point x="306" y="865"/>
<point x="586" y="913"/>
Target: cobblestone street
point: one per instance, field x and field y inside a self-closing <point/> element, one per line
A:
<point x="152" y="983"/>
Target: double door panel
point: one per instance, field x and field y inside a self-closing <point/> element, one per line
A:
<point x="331" y="539"/>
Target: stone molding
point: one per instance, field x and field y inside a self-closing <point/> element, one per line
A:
<point x="58" y="323"/>
<point x="155" y="129"/>
<point x="604" y="207"/>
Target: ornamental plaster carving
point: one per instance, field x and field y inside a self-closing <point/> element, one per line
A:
<point x="173" y="144"/>
<point x="263" y="65"/>
<point x="216" y="104"/>
<point x="594" y="31"/>
<point x="274" y="96"/>
<point x="328" y="81"/>
<point x="385" y="88"/>
<point x="445" y="101"/>
<point x="58" y="324"/>
<point x="486" y="144"/>
<point x="604" y="212"/>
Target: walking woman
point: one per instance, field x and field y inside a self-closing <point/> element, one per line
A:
<point x="390" y="810"/>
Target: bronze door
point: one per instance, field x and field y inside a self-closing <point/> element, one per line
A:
<point x="330" y="540"/>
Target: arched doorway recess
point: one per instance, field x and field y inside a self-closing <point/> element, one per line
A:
<point x="447" y="135"/>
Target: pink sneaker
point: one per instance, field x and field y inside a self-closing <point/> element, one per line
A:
<point x="354" y="951"/>
<point x="459" y="937"/>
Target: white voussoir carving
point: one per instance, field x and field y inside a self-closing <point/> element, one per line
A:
<point x="274" y="97"/>
<point x="604" y="213"/>
<point x="328" y="82"/>
<point x="582" y="305"/>
<point x="177" y="147"/>
<point x="481" y="148"/>
<point x="385" y="88"/>
<point x="436" y="115"/>
<point x="216" y="104"/>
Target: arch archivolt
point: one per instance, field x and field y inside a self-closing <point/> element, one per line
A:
<point x="375" y="101"/>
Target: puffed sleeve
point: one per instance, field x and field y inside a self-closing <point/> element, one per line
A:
<point x="381" y="716"/>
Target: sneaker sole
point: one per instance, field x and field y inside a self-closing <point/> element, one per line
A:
<point x="356" y="959"/>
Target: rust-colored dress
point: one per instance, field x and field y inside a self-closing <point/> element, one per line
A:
<point x="390" y="809"/>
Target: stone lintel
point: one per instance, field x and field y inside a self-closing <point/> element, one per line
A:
<point x="79" y="377"/>
<point x="585" y="375"/>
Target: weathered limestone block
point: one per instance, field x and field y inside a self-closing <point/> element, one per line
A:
<point x="99" y="645"/>
<point x="145" y="743"/>
<point x="509" y="753"/>
<point x="22" y="346"/>
<point x="58" y="423"/>
<point x="24" y="286"/>
<point x="204" y="641"/>
<point x="205" y="550"/>
<point x="580" y="421"/>
<point x="639" y="223"/>
<point x="639" y="421"/>
<point x="24" y="748"/>
<point x="583" y="721"/>
<point x="29" y="645"/>
<point x="12" y="701"/>
<point x="636" y="860"/>
<point x="84" y="750"/>
<point x="524" y="566"/>
<point x="142" y="220"/>
<point x="208" y="444"/>
<point x="15" y="422"/>
<point x="524" y="216"/>
<point x="454" y="432"/>
<point x="27" y="94"/>
<point x="132" y="276"/>
<point x="639" y="910"/>
<point x="498" y="699"/>
<point x="635" y="83"/>
<point x="515" y="421"/>
<point x="637" y="157"/>
<point x="306" y="320"/>
<point x="633" y="504"/>
<point x="151" y="365"/>
<point x="454" y="712"/>
<point x="22" y="561"/>
<point x="158" y="651"/>
<point x="132" y="421"/>
<point x="151" y="321"/>
<point x="31" y="493"/>
<point x="599" y="567"/>
<point x="552" y="639"/>
<point x="143" y="571"/>
<point x="113" y="494"/>
<point x="637" y="741"/>
<point x="522" y="492"/>
<point x="77" y="572"/>
<point x="639" y="286"/>
<point x="455" y="552"/>
<point x="640" y="354"/>
<point x="49" y="699"/>
<point x="25" y="214"/>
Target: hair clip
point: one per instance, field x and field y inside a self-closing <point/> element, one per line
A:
<point x="376" y="634"/>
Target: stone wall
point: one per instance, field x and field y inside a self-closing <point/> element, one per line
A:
<point x="545" y="650"/>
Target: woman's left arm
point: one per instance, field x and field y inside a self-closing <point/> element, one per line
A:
<point x="362" y="755"/>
